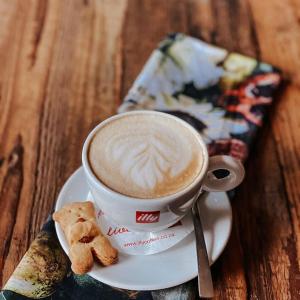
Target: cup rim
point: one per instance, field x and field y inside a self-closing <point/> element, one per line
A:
<point x="159" y="200"/>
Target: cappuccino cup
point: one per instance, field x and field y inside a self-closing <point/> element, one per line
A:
<point x="145" y="169"/>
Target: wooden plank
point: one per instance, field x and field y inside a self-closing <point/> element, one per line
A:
<point x="227" y="24"/>
<point x="264" y="225"/>
<point x="60" y="75"/>
<point x="18" y="128"/>
<point x="283" y="37"/>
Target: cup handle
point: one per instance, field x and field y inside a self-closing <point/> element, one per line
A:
<point x="223" y="162"/>
<point x="213" y="184"/>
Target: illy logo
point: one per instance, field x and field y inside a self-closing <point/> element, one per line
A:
<point x="147" y="216"/>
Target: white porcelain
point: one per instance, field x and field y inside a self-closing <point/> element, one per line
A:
<point x="160" y="213"/>
<point x="171" y="267"/>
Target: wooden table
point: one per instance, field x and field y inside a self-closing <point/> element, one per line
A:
<point x="66" y="65"/>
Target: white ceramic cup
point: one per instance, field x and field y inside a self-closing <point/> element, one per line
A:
<point x="159" y="213"/>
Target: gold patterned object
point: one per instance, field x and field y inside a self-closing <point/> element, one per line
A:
<point x="43" y="266"/>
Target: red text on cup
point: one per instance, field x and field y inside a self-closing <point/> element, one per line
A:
<point x="147" y="216"/>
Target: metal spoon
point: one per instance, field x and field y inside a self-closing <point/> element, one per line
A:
<point x="205" y="284"/>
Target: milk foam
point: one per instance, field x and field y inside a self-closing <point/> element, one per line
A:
<point x="145" y="156"/>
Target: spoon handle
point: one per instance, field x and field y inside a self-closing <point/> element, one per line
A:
<point x="205" y="284"/>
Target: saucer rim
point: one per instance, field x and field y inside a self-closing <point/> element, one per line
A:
<point x="138" y="287"/>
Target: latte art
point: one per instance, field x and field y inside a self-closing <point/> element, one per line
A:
<point x="145" y="156"/>
<point x="148" y="160"/>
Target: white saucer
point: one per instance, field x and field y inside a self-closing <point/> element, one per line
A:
<point x="165" y="269"/>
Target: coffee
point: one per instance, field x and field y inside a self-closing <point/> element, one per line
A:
<point x="145" y="155"/>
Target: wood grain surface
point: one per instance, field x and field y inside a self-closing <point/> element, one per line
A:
<point x="66" y="65"/>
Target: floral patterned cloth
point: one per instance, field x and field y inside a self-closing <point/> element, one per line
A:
<point x="223" y="95"/>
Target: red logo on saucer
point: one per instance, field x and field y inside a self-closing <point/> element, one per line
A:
<point x="147" y="216"/>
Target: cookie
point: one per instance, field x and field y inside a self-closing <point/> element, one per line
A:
<point x="86" y="241"/>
